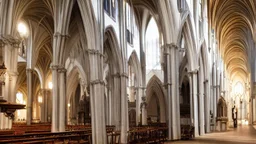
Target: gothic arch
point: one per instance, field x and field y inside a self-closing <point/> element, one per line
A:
<point x="155" y="86"/>
<point x="134" y="62"/>
<point x="112" y="48"/>
<point x="188" y="31"/>
<point x="75" y="73"/>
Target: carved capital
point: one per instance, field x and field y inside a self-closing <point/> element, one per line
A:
<point x="193" y="72"/>
<point x="124" y="75"/>
<point x="143" y="105"/>
<point x="10" y="40"/>
<point x="95" y="52"/>
<point x="29" y="70"/>
<point x="97" y="81"/>
<point x="54" y="67"/>
<point x="117" y="75"/>
<point x="62" y="70"/>
<point x="58" y="34"/>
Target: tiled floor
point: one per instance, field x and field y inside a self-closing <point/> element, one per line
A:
<point x="240" y="135"/>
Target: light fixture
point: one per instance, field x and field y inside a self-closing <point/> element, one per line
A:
<point x="50" y="85"/>
<point x="23" y="32"/>
<point x="40" y="99"/>
<point x="68" y="104"/>
<point x="19" y="97"/>
<point x="22" y="29"/>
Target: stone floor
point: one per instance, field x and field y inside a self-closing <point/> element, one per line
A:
<point x="240" y="135"/>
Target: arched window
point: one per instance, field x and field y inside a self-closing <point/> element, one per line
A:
<point x="200" y="13"/>
<point x="152" y="46"/>
<point x="181" y="5"/>
<point x="21" y="114"/>
<point x="110" y="8"/>
<point x="129" y="23"/>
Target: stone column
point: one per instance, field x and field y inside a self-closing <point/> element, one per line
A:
<point x="30" y="97"/>
<point x="195" y="101"/>
<point x="55" y="100"/>
<point x="201" y="108"/>
<point x="124" y="108"/>
<point x="169" y="90"/>
<point x="141" y="92"/>
<point x="191" y="99"/>
<point x="207" y="105"/>
<point x="116" y="101"/>
<point x="110" y="106"/>
<point x="41" y="115"/>
<point x="97" y="92"/>
<point x="46" y="94"/>
<point x="143" y="107"/>
<point x="13" y="75"/>
<point x="254" y="109"/>
<point x="214" y="98"/>
<point x="6" y="97"/>
<point x="175" y="107"/>
<point x="62" y="99"/>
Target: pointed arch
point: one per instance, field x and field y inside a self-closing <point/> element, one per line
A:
<point x="111" y="46"/>
<point x="187" y="29"/>
<point x="134" y="62"/>
<point x="155" y="86"/>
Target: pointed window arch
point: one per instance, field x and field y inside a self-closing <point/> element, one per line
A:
<point x="129" y="22"/>
<point x="152" y="46"/>
<point x="110" y="8"/>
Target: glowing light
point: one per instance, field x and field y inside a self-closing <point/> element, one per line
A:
<point x="19" y="97"/>
<point x="40" y="99"/>
<point x="22" y="29"/>
<point x="238" y="89"/>
<point x="69" y="105"/>
<point x="50" y="85"/>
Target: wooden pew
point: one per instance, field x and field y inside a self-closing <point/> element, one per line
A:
<point x="147" y="135"/>
<point x="75" y="136"/>
<point x="187" y="131"/>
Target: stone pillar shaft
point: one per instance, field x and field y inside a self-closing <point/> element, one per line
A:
<point x="207" y="105"/>
<point x="62" y="99"/>
<point x="55" y="100"/>
<point x="195" y="101"/>
<point x="124" y="109"/>
<point x="29" y="99"/>
<point x="201" y="102"/>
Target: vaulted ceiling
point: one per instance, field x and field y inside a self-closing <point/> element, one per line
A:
<point x="234" y="24"/>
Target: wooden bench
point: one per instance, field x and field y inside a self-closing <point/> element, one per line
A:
<point x="147" y="135"/>
<point x="83" y="136"/>
<point x="187" y="132"/>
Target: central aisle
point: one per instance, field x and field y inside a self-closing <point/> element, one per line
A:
<point x="240" y="135"/>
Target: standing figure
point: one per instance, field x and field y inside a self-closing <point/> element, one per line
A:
<point x="234" y="116"/>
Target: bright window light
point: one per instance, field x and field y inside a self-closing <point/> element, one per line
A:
<point x="40" y="99"/>
<point x="239" y="89"/>
<point x="22" y="29"/>
<point x="19" y="97"/>
<point x="50" y="85"/>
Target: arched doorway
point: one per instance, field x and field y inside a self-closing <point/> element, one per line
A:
<point x="156" y="108"/>
<point x="185" y="93"/>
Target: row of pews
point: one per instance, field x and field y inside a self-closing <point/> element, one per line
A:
<point x="40" y="133"/>
<point x="147" y="135"/>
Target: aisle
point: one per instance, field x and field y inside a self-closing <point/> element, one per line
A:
<point x="241" y="135"/>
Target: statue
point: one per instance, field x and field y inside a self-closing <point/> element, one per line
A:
<point x="234" y="116"/>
